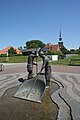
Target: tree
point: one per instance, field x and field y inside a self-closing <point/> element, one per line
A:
<point x="64" y="50"/>
<point x="34" y="44"/>
<point x="20" y="48"/>
<point x="12" y="51"/>
<point x="51" y="52"/>
<point x="77" y="51"/>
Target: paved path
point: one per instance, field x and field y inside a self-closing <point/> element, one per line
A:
<point x="67" y="77"/>
<point x="68" y="93"/>
<point x="21" y="67"/>
<point x="9" y="80"/>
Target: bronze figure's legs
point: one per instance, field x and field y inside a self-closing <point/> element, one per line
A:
<point x="47" y="74"/>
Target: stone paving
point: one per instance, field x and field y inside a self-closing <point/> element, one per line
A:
<point x="16" y="109"/>
<point x="9" y="80"/>
<point x="68" y="96"/>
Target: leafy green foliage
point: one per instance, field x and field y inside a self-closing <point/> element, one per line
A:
<point x="64" y="50"/>
<point x="20" y="48"/>
<point x="3" y="55"/>
<point x="77" y="51"/>
<point x="34" y="44"/>
<point x="50" y="52"/>
<point x="11" y="51"/>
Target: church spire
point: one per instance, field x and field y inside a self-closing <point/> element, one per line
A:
<point x="60" y="43"/>
<point x="60" y="37"/>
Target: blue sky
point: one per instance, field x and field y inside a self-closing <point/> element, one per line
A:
<point x="24" y="20"/>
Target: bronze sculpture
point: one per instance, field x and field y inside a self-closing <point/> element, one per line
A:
<point x="34" y="88"/>
<point x="30" y="64"/>
<point x="45" y="66"/>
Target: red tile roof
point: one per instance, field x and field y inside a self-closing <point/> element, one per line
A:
<point x="7" y="48"/>
<point x="53" y="47"/>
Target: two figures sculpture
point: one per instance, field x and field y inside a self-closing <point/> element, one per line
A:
<point x="33" y="88"/>
<point x="46" y="66"/>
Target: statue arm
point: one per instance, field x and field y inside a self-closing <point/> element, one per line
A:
<point x="43" y="66"/>
<point x="35" y="63"/>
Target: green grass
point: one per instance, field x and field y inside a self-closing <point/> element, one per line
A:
<point x="75" y="60"/>
<point x="65" y="61"/>
<point x="60" y="62"/>
<point x="14" y="59"/>
<point x="22" y="59"/>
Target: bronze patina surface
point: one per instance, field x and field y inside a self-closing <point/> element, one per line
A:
<point x="18" y="109"/>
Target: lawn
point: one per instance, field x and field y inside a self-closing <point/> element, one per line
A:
<point x="16" y="59"/>
<point x="22" y="59"/>
<point x="65" y="61"/>
<point x="60" y="62"/>
<point x="13" y="59"/>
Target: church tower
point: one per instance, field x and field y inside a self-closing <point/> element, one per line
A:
<point x="60" y="43"/>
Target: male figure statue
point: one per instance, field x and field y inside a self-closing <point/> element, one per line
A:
<point x="30" y="64"/>
<point x="46" y="66"/>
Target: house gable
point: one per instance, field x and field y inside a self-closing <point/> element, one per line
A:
<point x="55" y="48"/>
<point x="4" y="51"/>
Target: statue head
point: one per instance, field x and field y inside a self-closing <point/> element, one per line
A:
<point x="42" y="53"/>
<point x="33" y="52"/>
